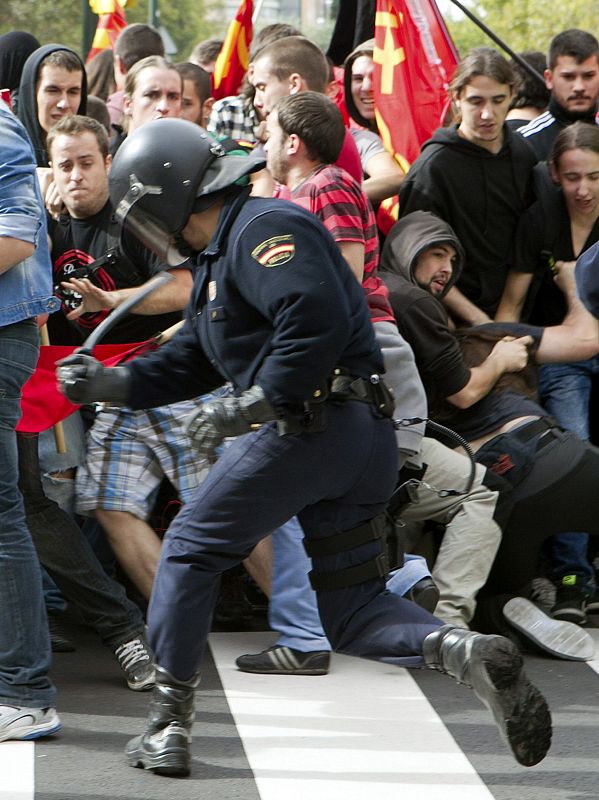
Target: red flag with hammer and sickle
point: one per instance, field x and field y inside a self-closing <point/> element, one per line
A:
<point x="415" y="59"/>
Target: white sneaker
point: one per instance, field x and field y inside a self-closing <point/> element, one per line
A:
<point x="20" y="722"/>
<point x="561" y="639"/>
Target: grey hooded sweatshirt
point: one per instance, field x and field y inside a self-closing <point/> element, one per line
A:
<point x="421" y="318"/>
<point x="423" y="322"/>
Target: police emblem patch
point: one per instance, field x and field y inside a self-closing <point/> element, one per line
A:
<point x="275" y="251"/>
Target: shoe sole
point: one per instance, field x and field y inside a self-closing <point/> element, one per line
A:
<point x="31" y="732"/>
<point x="176" y="764"/>
<point x="559" y="637"/>
<point x="519" y="709"/>
<point x="276" y="671"/>
<point x="143" y="686"/>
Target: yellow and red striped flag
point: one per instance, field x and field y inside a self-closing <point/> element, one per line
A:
<point x="234" y="57"/>
<point x="415" y="59"/>
<point x="111" y="23"/>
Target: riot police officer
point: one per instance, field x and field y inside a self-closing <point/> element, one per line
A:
<point x="276" y="311"/>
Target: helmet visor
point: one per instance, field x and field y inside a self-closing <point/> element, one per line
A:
<point x="153" y="235"/>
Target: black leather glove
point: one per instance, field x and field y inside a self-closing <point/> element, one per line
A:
<point x="214" y="421"/>
<point x="83" y="379"/>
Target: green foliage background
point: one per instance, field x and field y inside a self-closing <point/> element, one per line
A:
<point x="522" y="24"/>
<point x="62" y="20"/>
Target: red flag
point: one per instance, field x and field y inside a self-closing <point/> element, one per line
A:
<point x="111" y="23"/>
<point x="415" y="59"/>
<point x="234" y="58"/>
<point x="414" y="62"/>
<point x="42" y="405"/>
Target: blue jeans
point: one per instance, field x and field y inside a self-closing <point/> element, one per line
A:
<point x="24" y="637"/>
<point x="565" y="391"/>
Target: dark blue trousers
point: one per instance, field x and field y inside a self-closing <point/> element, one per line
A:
<point x="333" y="481"/>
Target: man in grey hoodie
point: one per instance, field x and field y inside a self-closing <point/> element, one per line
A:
<point x="421" y="261"/>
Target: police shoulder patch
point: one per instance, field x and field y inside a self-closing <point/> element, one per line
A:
<point x="275" y="251"/>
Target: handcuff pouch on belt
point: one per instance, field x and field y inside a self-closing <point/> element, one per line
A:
<point x="312" y="418"/>
<point x="378" y="567"/>
<point x="371" y="390"/>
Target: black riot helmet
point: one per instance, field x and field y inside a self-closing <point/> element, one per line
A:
<point x="161" y="170"/>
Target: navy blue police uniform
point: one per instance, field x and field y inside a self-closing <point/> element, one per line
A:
<point x="275" y="304"/>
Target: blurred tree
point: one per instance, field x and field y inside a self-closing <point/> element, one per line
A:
<point x="187" y="21"/>
<point x="40" y="18"/>
<point x="522" y="24"/>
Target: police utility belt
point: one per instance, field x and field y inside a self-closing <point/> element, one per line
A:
<point x="341" y="388"/>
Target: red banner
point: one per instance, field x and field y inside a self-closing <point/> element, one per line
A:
<point x="234" y="58"/>
<point x="42" y="405"/>
<point x="414" y="61"/>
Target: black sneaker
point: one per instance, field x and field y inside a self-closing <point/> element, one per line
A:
<point x="232" y="606"/>
<point x="425" y="594"/>
<point x="59" y="639"/>
<point x="279" y="660"/>
<point x="570" y="601"/>
<point x="136" y="661"/>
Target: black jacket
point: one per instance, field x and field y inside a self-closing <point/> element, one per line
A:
<point x="541" y="132"/>
<point x="481" y="195"/>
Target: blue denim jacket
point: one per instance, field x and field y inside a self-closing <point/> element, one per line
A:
<point x="26" y="288"/>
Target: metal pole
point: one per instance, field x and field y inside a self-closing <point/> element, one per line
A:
<point x="90" y="22"/>
<point x="153" y="13"/>
<point x="518" y="59"/>
<point x="257" y="10"/>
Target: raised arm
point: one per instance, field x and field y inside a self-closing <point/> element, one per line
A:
<point x="577" y="338"/>
<point x="514" y="295"/>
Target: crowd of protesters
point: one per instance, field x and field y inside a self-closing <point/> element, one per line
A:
<point x="474" y="307"/>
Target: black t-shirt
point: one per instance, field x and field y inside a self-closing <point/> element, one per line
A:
<point x="422" y="321"/>
<point x="77" y="243"/>
<point x="537" y="238"/>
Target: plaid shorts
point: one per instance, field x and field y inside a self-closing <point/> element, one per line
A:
<point x="128" y="454"/>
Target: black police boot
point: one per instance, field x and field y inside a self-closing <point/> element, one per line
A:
<point x="493" y="667"/>
<point x="165" y="747"/>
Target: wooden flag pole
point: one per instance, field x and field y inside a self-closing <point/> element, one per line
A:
<point x="58" y="429"/>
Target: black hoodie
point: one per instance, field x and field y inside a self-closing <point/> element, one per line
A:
<point x="481" y="195"/>
<point x="27" y="111"/>
<point x="15" y="49"/>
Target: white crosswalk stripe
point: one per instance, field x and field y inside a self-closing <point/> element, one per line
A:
<point x="366" y="730"/>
